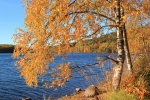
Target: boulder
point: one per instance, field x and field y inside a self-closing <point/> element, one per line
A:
<point x="78" y="89"/>
<point x="91" y="91"/>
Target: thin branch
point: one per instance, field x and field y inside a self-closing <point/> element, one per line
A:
<point x="87" y="11"/>
<point x="72" y="21"/>
<point x="77" y="68"/>
<point x="104" y="16"/>
<point x="112" y="59"/>
<point x="101" y="27"/>
<point x="72" y="3"/>
<point x="97" y="63"/>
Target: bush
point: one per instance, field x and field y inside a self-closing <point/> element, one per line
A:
<point x="141" y="67"/>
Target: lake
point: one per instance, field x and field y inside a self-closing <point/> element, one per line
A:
<point x="13" y="87"/>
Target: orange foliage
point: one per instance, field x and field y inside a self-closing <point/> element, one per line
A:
<point x="62" y="75"/>
<point x="139" y="40"/>
<point x="53" y="24"/>
<point x="136" y="87"/>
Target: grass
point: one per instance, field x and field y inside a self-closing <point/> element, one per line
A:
<point x="120" y="95"/>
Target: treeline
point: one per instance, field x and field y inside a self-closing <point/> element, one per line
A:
<point x="6" y="48"/>
<point x="105" y="43"/>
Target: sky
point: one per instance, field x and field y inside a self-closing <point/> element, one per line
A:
<point x="12" y="16"/>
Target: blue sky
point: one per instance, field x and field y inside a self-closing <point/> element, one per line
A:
<point x="12" y="16"/>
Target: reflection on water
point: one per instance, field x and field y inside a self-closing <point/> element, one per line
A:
<point x="13" y="87"/>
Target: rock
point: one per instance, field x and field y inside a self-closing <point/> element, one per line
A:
<point x="78" y="89"/>
<point x="26" y="99"/>
<point x="91" y="91"/>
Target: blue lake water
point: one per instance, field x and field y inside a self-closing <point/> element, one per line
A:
<point x="13" y="87"/>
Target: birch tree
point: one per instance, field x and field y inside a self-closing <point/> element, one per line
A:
<point x="51" y="25"/>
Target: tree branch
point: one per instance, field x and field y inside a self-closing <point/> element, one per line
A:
<point x="87" y="11"/>
<point x="77" y="66"/>
<point x="112" y="59"/>
<point x="72" y="3"/>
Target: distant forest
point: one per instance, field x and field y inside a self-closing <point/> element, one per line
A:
<point x="105" y="43"/>
<point x="6" y="48"/>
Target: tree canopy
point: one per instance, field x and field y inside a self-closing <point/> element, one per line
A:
<point x="57" y="23"/>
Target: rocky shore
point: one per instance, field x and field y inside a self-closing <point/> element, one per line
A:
<point x="92" y="92"/>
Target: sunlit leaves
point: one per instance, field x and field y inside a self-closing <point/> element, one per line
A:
<point x="51" y="25"/>
<point x="61" y="74"/>
<point x="132" y="85"/>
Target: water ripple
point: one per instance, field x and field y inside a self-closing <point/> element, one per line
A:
<point x="13" y="87"/>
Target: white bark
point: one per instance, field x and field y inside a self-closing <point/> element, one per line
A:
<point x="120" y="47"/>
<point x="127" y="52"/>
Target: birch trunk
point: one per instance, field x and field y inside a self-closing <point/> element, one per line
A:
<point x="126" y="46"/>
<point x="127" y="52"/>
<point x="120" y="48"/>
